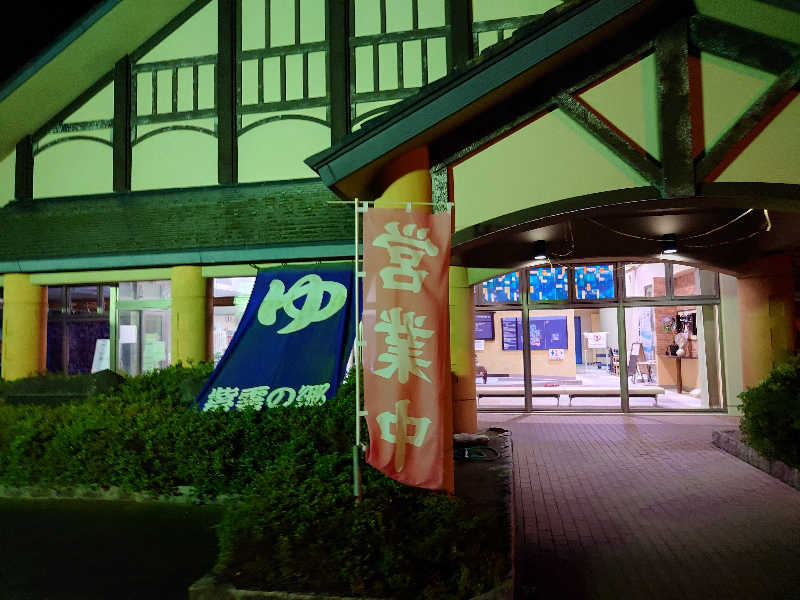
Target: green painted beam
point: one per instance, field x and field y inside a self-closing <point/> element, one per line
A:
<point x="672" y="80"/>
<point x="189" y="257"/>
<point x="741" y="45"/>
<point x="76" y="277"/>
<point x="250" y="270"/>
<point x="768" y="101"/>
<point x="477" y="275"/>
<point x="150" y="303"/>
<point x="620" y="146"/>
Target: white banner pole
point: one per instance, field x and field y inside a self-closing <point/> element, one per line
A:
<point x="357" y="363"/>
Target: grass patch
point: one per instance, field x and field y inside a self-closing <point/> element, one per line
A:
<point x="86" y="550"/>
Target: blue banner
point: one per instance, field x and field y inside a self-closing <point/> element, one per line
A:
<point x="292" y="344"/>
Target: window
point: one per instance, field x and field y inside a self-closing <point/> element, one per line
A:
<point x="691" y="281"/>
<point x="145" y="290"/>
<point x="78" y="318"/>
<point x="594" y="282"/>
<point x="549" y="283"/>
<point x="645" y="280"/>
<point x="500" y="289"/>
<point x="231" y="295"/>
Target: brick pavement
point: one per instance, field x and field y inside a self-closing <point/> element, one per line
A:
<point x="616" y="506"/>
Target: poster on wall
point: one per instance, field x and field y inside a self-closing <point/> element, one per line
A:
<point x="545" y="333"/>
<point x="555" y="354"/>
<point x="537" y="334"/>
<point x="510" y="331"/>
<point x="556" y="333"/>
<point x="484" y="326"/>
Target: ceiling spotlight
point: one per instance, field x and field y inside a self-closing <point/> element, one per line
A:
<point x="669" y="244"/>
<point x="539" y="250"/>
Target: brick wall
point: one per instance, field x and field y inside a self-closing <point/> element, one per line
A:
<point x="683" y="285"/>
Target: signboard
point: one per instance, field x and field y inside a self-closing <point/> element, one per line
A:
<point x="596" y="339"/>
<point x="484" y="326"/>
<point x="292" y="344"/>
<point x="555" y="354"/>
<point x="407" y="358"/>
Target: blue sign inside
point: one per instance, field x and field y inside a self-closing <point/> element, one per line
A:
<point x="545" y="333"/>
<point x="484" y="326"/>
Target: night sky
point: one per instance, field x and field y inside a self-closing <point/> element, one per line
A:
<point x="37" y="23"/>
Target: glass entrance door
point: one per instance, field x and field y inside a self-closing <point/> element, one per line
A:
<point x="143" y="340"/>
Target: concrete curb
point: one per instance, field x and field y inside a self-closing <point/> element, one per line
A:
<point x="730" y="441"/>
<point x="208" y="588"/>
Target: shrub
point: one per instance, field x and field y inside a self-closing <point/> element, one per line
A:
<point x="144" y="437"/>
<point x="771" y="414"/>
<point x="56" y="388"/>
<point x="297" y="529"/>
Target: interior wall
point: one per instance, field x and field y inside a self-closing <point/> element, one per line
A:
<point x="77" y="166"/>
<point x="509" y="362"/>
<point x="766" y="316"/>
<point x="533" y="166"/>
<point x="732" y="341"/>
<point x="608" y="322"/>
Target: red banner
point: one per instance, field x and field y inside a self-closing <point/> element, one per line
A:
<point x="406" y="357"/>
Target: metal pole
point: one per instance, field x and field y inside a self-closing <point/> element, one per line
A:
<point x="357" y="363"/>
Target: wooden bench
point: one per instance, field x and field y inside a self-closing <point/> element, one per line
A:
<point x="572" y="391"/>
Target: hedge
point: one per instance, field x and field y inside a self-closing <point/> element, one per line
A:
<point x="141" y="437"/>
<point x="771" y="414"/>
<point x="292" y="523"/>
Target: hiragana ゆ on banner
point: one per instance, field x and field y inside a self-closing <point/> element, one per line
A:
<point x="406" y="357"/>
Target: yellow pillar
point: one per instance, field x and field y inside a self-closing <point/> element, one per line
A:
<point x="24" y="327"/>
<point x="766" y="316"/>
<point x="188" y="315"/>
<point x="462" y="352"/>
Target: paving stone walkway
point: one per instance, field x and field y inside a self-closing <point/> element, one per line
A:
<point x="615" y="506"/>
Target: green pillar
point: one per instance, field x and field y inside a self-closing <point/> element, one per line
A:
<point x="188" y="315"/>
<point x="24" y="327"/>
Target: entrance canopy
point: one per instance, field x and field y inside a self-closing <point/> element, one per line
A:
<point x="675" y="121"/>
